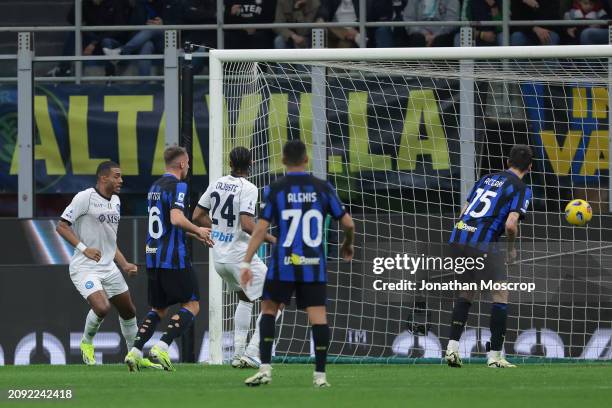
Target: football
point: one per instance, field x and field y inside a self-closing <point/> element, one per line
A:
<point x="578" y="212"/>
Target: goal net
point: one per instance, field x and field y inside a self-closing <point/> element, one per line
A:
<point x="403" y="136"/>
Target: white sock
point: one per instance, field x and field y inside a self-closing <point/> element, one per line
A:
<point x="129" y="329"/>
<point x="453" y="345"/>
<point x="136" y="351"/>
<point x="162" y="345"/>
<point x="242" y="324"/>
<point x="92" y="324"/>
<point x="253" y="347"/>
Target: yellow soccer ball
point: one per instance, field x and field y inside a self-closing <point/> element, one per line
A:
<point x="578" y="212"/>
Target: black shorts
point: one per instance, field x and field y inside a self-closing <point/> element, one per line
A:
<point x="168" y="287"/>
<point x="306" y="293"/>
<point x="494" y="266"/>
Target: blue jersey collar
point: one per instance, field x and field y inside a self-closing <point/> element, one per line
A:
<point x="170" y="175"/>
<point x="297" y="173"/>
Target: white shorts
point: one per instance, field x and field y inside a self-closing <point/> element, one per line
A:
<point x="88" y="280"/>
<point x="230" y="272"/>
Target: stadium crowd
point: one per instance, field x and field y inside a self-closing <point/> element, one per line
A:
<point x="193" y="12"/>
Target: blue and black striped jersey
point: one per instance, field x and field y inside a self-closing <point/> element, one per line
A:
<point x="489" y="203"/>
<point x="166" y="243"/>
<point x="298" y="203"/>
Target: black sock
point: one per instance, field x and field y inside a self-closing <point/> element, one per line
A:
<point x="499" y="316"/>
<point x="146" y="330"/>
<point x="320" y="336"/>
<point x="266" y="337"/>
<point x="460" y="316"/>
<point x="178" y="325"/>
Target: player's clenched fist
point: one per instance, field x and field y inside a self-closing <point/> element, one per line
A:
<point x="348" y="250"/>
<point x="130" y="268"/>
<point x="93" y="253"/>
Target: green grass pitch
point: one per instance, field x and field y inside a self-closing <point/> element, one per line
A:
<point x="372" y="386"/>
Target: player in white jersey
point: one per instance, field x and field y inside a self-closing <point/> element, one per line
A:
<point x="228" y="207"/>
<point x="90" y="224"/>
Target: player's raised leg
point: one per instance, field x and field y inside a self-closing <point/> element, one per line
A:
<point x="461" y="311"/>
<point x="499" y="317"/>
<point x="269" y="308"/>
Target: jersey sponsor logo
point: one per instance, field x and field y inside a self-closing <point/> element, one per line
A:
<point x="222" y="237"/>
<point x="302" y="197"/>
<point x="150" y="250"/>
<point x="98" y="205"/>
<point x="296" y="259"/>
<point x="109" y="218"/>
<point x="462" y="226"/>
<point x="89" y="285"/>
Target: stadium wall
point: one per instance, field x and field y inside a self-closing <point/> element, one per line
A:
<point x="43" y="314"/>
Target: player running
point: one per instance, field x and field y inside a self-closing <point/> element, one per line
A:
<point x="233" y="200"/>
<point x="496" y="204"/>
<point x="90" y="224"/>
<point x="171" y="279"/>
<point x="298" y="204"/>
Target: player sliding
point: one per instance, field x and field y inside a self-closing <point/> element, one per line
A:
<point x="90" y="224"/>
<point x="171" y="279"/>
<point x="298" y="204"/>
<point x="496" y="204"/>
<point x="233" y="200"/>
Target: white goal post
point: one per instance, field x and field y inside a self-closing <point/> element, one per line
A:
<point x="406" y="197"/>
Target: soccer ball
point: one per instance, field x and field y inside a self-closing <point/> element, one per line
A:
<point x="578" y="212"/>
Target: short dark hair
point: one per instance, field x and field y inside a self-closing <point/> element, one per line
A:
<point x="294" y="152"/>
<point x="240" y="158"/>
<point x="520" y="157"/>
<point x="104" y="168"/>
<point x="172" y="153"/>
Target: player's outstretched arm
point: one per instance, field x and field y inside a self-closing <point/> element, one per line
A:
<point x="201" y="217"/>
<point x="257" y="238"/>
<point x="64" y="229"/>
<point x="247" y="223"/>
<point x="348" y="226"/>
<point x="178" y="219"/>
<point x="129" y="268"/>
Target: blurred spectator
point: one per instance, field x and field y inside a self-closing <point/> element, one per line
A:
<point x="249" y="12"/>
<point x="347" y="11"/>
<point x="431" y="10"/>
<point x="400" y="37"/>
<point x="485" y="10"/>
<point x="295" y="11"/>
<point x="143" y="12"/>
<point x="535" y="10"/>
<point x="587" y="10"/>
<point x="94" y="13"/>
<point x="200" y="12"/>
